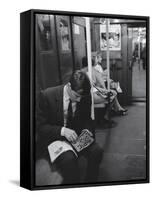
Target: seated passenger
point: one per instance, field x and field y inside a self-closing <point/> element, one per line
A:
<point x="114" y="86"/>
<point x="100" y="94"/>
<point x="64" y="111"/>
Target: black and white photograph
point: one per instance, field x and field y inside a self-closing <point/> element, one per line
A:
<point x="89" y="93"/>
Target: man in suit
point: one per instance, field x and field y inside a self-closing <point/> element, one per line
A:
<point x="54" y="124"/>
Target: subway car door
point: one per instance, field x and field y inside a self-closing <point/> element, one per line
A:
<point x="64" y="46"/>
<point x="79" y="41"/>
<point x="47" y="66"/>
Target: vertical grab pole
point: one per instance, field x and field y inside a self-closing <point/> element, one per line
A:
<point x="88" y="36"/>
<point x="108" y="64"/>
<point x="139" y="56"/>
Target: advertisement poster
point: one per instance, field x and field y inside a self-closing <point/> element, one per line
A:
<point x="114" y="37"/>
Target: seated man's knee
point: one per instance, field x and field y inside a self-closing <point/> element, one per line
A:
<point x="67" y="162"/>
<point x="68" y="167"/>
<point x="70" y="158"/>
<point x="67" y="158"/>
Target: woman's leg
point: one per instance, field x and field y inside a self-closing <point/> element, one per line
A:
<point x="108" y="110"/>
<point x="98" y="99"/>
<point x="117" y="105"/>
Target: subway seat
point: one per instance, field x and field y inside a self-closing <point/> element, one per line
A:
<point x="99" y="105"/>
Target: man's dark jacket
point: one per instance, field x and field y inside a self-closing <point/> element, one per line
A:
<point x="50" y="117"/>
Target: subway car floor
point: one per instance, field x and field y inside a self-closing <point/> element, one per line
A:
<point x="124" y="146"/>
<point x="138" y="81"/>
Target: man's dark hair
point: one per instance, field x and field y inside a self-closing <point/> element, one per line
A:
<point x="79" y="80"/>
<point x="85" y="62"/>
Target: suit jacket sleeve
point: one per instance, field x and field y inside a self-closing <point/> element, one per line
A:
<point x="46" y="132"/>
<point x="83" y="117"/>
<point x="88" y="123"/>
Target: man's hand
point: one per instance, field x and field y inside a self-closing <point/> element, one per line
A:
<point x="69" y="134"/>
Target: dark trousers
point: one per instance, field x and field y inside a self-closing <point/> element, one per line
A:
<point x="67" y="164"/>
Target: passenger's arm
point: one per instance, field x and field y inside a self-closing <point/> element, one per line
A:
<point x="100" y="80"/>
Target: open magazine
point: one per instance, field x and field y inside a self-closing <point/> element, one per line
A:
<point x="58" y="147"/>
<point x="83" y="141"/>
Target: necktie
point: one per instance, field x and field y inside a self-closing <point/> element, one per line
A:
<point x="69" y="115"/>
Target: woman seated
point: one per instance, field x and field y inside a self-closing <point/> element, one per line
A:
<point x="114" y="86"/>
<point x="102" y="95"/>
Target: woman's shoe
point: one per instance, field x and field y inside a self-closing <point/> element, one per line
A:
<point x="119" y="112"/>
<point x="122" y="112"/>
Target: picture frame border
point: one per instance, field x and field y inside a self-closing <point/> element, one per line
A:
<point x="27" y="99"/>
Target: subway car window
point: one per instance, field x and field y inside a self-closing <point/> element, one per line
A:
<point x="45" y="32"/>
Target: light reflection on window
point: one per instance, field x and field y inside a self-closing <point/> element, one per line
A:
<point x="44" y="25"/>
<point x="65" y="37"/>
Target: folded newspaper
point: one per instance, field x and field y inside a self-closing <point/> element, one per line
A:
<point x="58" y="147"/>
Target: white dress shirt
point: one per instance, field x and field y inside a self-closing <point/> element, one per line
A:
<point x="58" y="147"/>
<point x="66" y="100"/>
